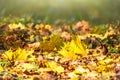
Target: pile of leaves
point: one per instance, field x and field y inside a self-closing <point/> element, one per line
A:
<point x="70" y="52"/>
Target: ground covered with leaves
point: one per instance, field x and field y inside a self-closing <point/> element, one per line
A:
<point x="70" y="52"/>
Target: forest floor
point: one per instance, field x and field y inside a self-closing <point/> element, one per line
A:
<point x="69" y="52"/>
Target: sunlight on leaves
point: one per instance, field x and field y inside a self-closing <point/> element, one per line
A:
<point x="71" y="49"/>
<point x="44" y="69"/>
<point x="80" y="70"/>
<point x="15" y="26"/>
<point x="54" y="67"/>
<point x="73" y="76"/>
<point x="28" y="66"/>
<point x="19" y="54"/>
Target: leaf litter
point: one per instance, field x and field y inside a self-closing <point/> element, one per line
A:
<point x="41" y="52"/>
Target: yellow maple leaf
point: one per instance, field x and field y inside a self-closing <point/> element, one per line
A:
<point x="71" y="49"/>
<point x="78" y="46"/>
<point x="54" y="67"/>
<point x="67" y="54"/>
<point x="8" y="55"/>
<point x="101" y="68"/>
<point x="80" y="70"/>
<point x="48" y="27"/>
<point x="19" y="54"/>
<point x="1" y="69"/>
<point x="15" y="26"/>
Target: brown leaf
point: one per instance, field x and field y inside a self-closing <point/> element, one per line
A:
<point x="66" y="28"/>
<point x="82" y="26"/>
<point x="35" y="46"/>
<point x="66" y="36"/>
<point x="12" y="42"/>
<point x="47" y="76"/>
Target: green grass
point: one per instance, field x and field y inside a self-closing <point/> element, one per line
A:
<point x="55" y="11"/>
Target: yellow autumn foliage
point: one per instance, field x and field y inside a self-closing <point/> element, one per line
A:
<point x="54" y="67"/>
<point x="80" y="70"/>
<point x="1" y="69"/>
<point x="19" y="54"/>
<point x="71" y="49"/>
<point x="15" y="26"/>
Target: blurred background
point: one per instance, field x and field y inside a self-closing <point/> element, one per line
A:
<point x="63" y="11"/>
